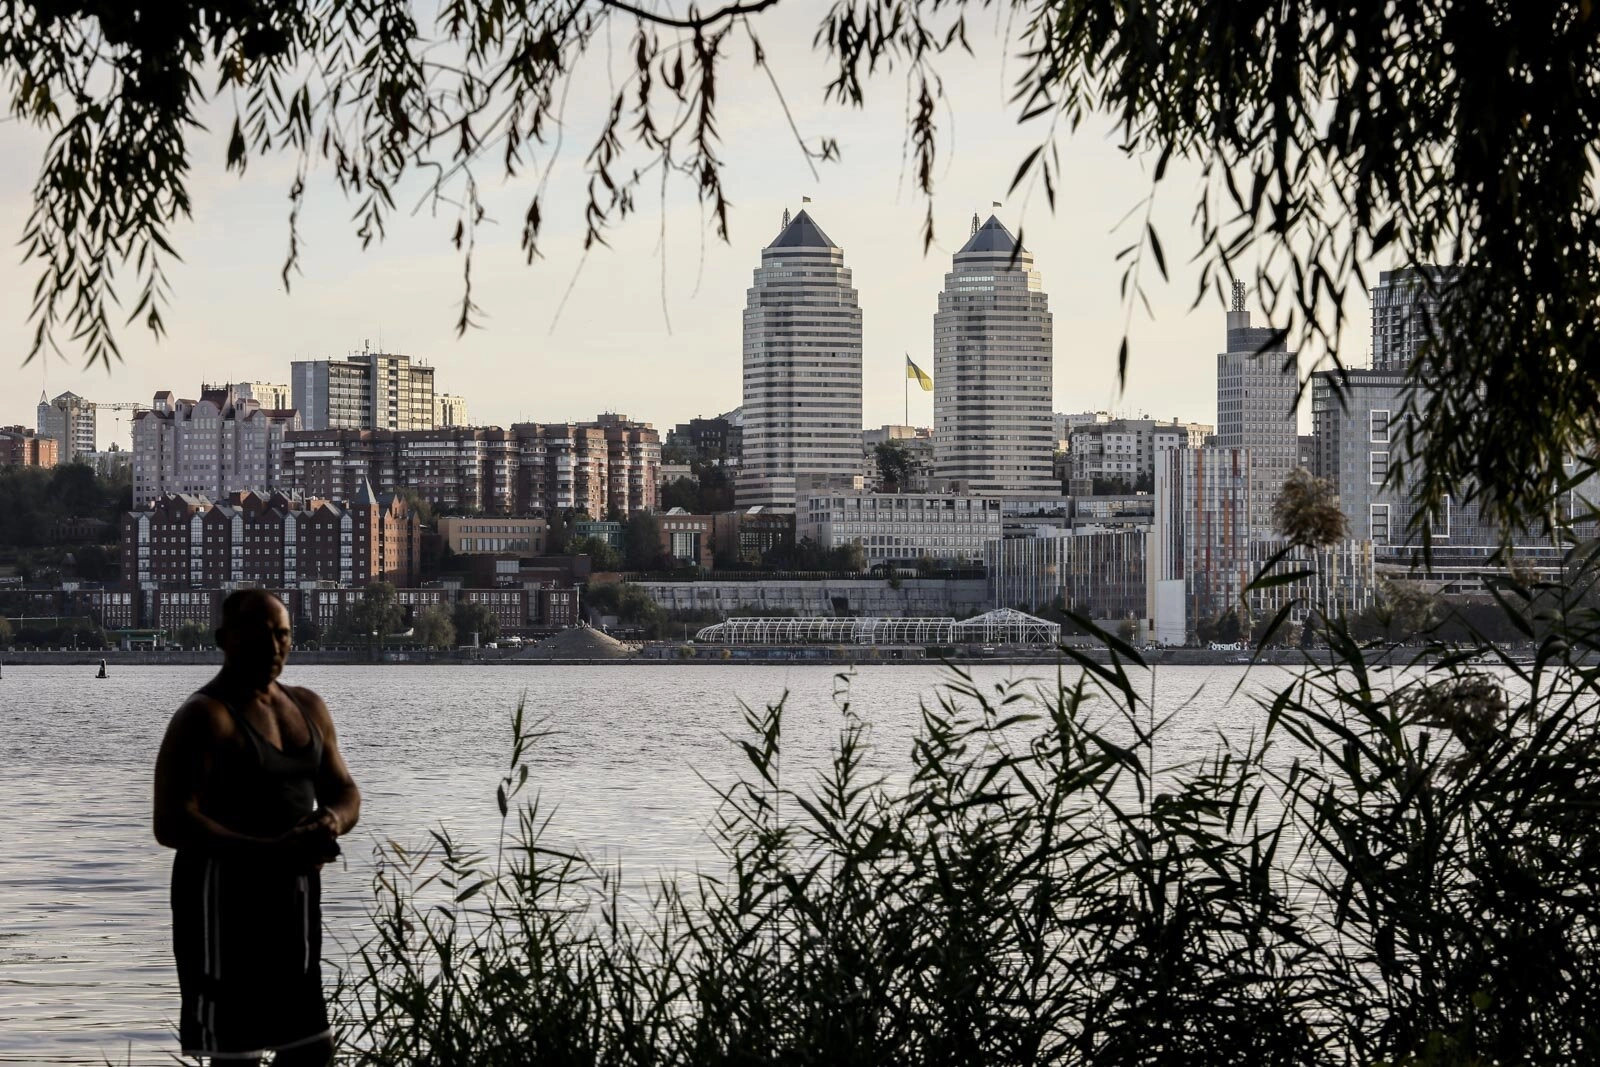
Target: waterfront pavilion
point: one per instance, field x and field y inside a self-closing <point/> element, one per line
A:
<point x="1002" y="627"/>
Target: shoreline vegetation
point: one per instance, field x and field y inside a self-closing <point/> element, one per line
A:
<point x="1397" y="867"/>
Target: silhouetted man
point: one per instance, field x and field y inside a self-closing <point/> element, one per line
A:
<point x="252" y="792"/>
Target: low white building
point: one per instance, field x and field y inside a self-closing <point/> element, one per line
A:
<point x="902" y="527"/>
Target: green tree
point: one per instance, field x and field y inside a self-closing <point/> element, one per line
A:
<point x="632" y="607"/>
<point x="681" y="493"/>
<point x="602" y="557"/>
<point x="472" y="617"/>
<point x="894" y="465"/>
<point x="95" y="563"/>
<point x="435" y="628"/>
<point x="642" y="549"/>
<point x="420" y="505"/>
<point x="26" y="509"/>
<point x="850" y="557"/>
<point x="75" y="490"/>
<point x="1224" y="629"/>
<point x="192" y="634"/>
<point x="716" y="487"/>
<point x="559" y="530"/>
<point x="307" y="634"/>
<point x="377" y="611"/>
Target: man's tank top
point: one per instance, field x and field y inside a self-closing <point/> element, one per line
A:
<point x="268" y="790"/>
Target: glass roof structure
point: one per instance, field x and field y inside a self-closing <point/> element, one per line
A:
<point x="1002" y="627"/>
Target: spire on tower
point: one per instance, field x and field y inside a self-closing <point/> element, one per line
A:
<point x="974" y="222"/>
<point x="785" y="219"/>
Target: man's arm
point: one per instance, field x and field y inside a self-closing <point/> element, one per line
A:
<point x="338" y="799"/>
<point x="183" y="771"/>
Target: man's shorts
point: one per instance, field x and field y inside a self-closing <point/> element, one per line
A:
<point x="248" y="943"/>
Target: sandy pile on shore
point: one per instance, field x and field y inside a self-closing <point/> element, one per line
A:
<point x="580" y="642"/>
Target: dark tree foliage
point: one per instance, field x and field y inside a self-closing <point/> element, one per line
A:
<point x="602" y="557"/>
<point x="33" y="498"/>
<point x="894" y="465"/>
<point x="706" y="491"/>
<point x="641" y="546"/>
<point x="472" y="617"/>
<point x="1326" y="135"/>
<point x="378" y="612"/>
<point x="632" y="606"/>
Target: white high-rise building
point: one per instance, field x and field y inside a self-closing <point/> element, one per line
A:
<point x="1258" y="384"/>
<point x="449" y="410"/>
<point x="993" y="426"/>
<point x="365" y="391"/>
<point x="212" y="447"/>
<point x="72" y="422"/>
<point x="802" y="369"/>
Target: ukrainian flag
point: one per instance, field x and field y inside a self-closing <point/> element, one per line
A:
<point x="922" y="377"/>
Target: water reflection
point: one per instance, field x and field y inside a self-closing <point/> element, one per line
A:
<point x="85" y="971"/>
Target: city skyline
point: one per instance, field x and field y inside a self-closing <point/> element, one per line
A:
<point x="230" y="320"/>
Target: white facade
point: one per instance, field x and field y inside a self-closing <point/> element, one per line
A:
<point x="902" y="527"/>
<point x="1124" y="450"/>
<point x="73" y="423"/>
<point x="802" y="368"/>
<point x="994" y="428"/>
<point x="274" y="396"/>
<point x="210" y="448"/>
<point x="449" y="410"/>
<point x="365" y="391"/>
<point x="1258" y="384"/>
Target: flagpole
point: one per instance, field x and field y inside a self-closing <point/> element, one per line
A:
<point x="905" y="386"/>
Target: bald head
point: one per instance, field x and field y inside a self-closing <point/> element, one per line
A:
<point x="254" y="635"/>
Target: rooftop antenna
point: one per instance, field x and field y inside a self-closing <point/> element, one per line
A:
<point x="974" y="222"/>
<point x="1238" y="296"/>
<point x="786" y="218"/>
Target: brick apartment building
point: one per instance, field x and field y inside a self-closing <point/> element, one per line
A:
<point x="270" y="541"/>
<point x="22" y="447"/>
<point x="597" y="467"/>
<point x="460" y="468"/>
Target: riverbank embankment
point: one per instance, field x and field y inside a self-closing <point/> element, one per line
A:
<point x="647" y="655"/>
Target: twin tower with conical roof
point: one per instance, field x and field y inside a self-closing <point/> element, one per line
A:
<point x="803" y="357"/>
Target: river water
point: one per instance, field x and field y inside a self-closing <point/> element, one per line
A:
<point x="85" y="970"/>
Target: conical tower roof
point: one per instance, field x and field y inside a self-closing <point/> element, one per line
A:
<point x="992" y="236"/>
<point x="802" y="232"/>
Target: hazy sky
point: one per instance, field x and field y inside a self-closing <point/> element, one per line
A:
<point x="612" y="349"/>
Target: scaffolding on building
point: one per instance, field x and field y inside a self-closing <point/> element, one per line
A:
<point x="1002" y="627"/>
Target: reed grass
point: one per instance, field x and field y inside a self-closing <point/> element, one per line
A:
<point x="1402" y="866"/>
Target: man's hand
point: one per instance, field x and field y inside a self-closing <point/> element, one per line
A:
<point x="325" y="819"/>
<point x="313" y="842"/>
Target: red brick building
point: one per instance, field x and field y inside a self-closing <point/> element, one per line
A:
<point x="270" y="541"/>
<point x="21" y="447"/>
<point x="688" y="538"/>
